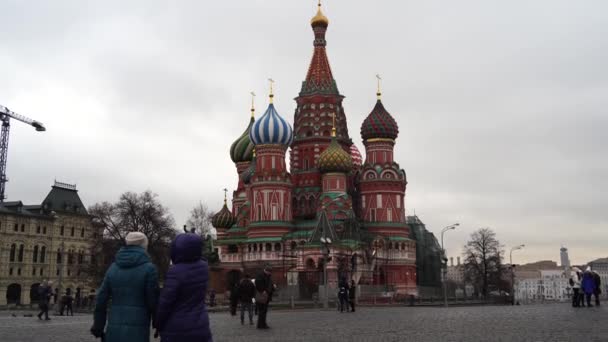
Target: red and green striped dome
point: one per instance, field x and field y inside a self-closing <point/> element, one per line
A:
<point x="379" y="124"/>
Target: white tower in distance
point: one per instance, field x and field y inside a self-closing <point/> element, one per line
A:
<point x="563" y="253"/>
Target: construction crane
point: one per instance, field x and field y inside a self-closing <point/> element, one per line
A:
<point x="5" y="117"/>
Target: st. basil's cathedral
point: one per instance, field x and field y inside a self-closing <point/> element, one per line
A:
<point x="330" y="200"/>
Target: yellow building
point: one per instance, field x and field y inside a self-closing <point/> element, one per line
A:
<point x="49" y="241"/>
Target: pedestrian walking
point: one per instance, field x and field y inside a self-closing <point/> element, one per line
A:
<point x="182" y="314"/>
<point x="234" y="298"/>
<point x="45" y="292"/>
<point x="575" y="283"/>
<point x="246" y="292"/>
<point x="598" y="287"/>
<point x="352" y="295"/>
<point x="343" y="295"/>
<point x="264" y="290"/>
<point x="69" y="301"/>
<point x="131" y="287"/>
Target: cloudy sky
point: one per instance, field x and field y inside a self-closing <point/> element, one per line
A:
<point x="501" y="104"/>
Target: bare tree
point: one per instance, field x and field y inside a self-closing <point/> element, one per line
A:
<point x="136" y="213"/>
<point x="200" y="220"/>
<point x="482" y="261"/>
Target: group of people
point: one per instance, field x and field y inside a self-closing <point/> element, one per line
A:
<point x="346" y="295"/>
<point x="584" y="286"/>
<point x="253" y="294"/>
<point x="130" y="287"/>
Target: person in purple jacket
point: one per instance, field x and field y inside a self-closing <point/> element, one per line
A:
<point x="182" y="315"/>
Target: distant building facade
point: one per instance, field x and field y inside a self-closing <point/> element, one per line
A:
<point x="43" y="241"/>
<point x="551" y="285"/>
<point x="601" y="267"/>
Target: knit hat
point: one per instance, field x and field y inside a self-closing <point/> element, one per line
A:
<point x="137" y="239"/>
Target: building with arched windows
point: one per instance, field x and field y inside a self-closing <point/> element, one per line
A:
<point x="281" y="216"/>
<point x="46" y="241"/>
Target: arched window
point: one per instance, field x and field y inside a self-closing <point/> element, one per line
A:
<point x="61" y="231"/>
<point x="82" y="232"/>
<point x="255" y="247"/>
<point x="59" y="256"/>
<point x="249" y="248"/>
<point x="38" y="230"/>
<point x="277" y="247"/>
<point x="13" y="250"/>
<point x="268" y="247"/>
<point x="72" y="232"/>
<point x="293" y="245"/>
<point x="35" y="255"/>
<point x="21" y="248"/>
<point x="43" y="255"/>
<point x="80" y="257"/>
<point x="44" y="230"/>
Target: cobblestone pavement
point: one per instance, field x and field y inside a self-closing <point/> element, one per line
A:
<point x="535" y="323"/>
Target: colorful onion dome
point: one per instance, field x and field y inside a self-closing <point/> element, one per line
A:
<point x="271" y="128"/>
<point x="249" y="172"/>
<point x="356" y="156"/>
<point x="379" y="124"/>
<point x="242" y="148"/>
<point x="335" y="159"/>
<point x="319" y="19"/>
<point x="224" y="218"/>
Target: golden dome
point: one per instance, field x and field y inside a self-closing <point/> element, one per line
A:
<point x="319" y="19"/>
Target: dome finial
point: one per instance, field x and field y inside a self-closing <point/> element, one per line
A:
<point x="379" y="93"/>
<point x="252" y="104"/>
<point x="319" y="18"/>
<point x="271" y="95"/>
<point x="225" y="196"/>
<point x="333" y="128"/>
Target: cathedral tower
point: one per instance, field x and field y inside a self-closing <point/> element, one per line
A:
<point x="271" y="188"/>
<point x="318" y="102"/>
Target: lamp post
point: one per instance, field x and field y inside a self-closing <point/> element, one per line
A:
<point x="326" y="241"/>
<point x="445" y="263"/>
<point x="513" y="272"/>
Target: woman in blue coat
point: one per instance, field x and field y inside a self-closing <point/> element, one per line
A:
<point x="182" y="315"/>
<point x="131" y="283"/>
<point x="588" y="285"/>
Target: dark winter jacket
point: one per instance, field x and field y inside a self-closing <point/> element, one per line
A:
<point x="182" y="314"/>
<point x="44" y="294"/>
<point x="131" y="284"/>
<point x="598" y="283"/>
<point x="263" y="282"/>
<point x="588" y="283"/>
<point x="246" y="290"/>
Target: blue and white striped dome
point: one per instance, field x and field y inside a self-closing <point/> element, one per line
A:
<point x="271" y="128"/>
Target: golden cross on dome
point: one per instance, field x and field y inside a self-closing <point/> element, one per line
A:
<point x="333" y="128"/>
<point x="225" y="196"/>
<point x="271" y="94"/>
<point x="252" y="106"/>
<point x="378" y="93"/>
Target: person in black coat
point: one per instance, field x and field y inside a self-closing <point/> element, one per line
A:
<point x="246" y="293"/>
<point x="352" y="292"/>
<point x="343" y="295"/>
<point x="45" y="293"/>
<point x="234" y="298"/>
<point x="264" y="289"/>
<point x="598" y="287"/>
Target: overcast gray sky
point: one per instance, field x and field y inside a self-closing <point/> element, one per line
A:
<point x="501" y="104"/>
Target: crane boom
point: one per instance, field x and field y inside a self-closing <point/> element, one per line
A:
<point x="7" y="112"/>
<point x="5" y="116"/>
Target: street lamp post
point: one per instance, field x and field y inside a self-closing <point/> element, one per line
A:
<point x="445" y="264"/>
<point x="513" y="272"/>
<point x="326" y="242"/>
